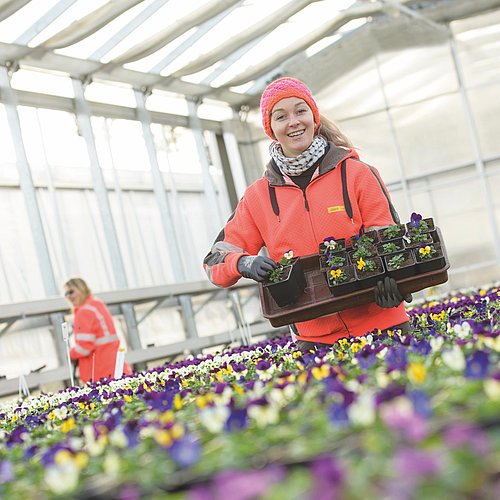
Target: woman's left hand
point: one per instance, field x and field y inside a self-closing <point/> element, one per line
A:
<point x="387" y="294"/>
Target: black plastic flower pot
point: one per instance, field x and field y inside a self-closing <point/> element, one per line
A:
<point x="423" y="241"/>
<point x="359" y="240"/>
<point x="340" y="247"/>
<point x="345" y="287"/>
<point x="371" y="248"/>
<point x="396" y="231"/>
<point x="406" y="269"/>
<point x="430" y="226"/>
<point x="426" y="265"/>
<point x="367" y="279"/>
<point x="340" y="259"/>
<point x="289" y="289"/>
<point x="398" y="243"/>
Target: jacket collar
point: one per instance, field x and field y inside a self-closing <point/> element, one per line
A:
<point x="330" y="161"/>
<point x="86" y="301"/>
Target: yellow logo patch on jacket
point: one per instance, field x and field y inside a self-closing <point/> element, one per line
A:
<point x="331" y="210"/>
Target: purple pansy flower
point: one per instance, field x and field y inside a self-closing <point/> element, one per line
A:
<point x="186" y="451"/>
<point x="415" y="219"/>
<point x="338" y="415"/>
<point x="237" y="419"/>
<point x="477" y="364"/>
<point x="396" y="358"/>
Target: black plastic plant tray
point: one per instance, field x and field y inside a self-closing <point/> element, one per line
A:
<point x="317" y="300"/>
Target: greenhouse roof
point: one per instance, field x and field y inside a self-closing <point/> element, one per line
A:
<point x="222" y="49"/>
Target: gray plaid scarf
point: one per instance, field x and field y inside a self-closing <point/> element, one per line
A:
<point x="299" y="164"/>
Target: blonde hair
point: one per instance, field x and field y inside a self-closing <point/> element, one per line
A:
<point x="80" y="285"/>
<point x="331" y="132"/>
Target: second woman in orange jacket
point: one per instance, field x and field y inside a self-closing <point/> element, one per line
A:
<point x="96" y="341"/>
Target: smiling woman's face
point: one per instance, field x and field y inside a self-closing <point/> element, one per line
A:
<point x="292" y="123"/>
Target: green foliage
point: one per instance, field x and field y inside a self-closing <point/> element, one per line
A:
<point x="396" y="261"/>
<point x="393" y="231"/>
<point x="362" y="252"/>
<point x="390" y="247"/>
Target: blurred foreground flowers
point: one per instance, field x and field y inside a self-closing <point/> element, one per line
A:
<point x="389" y="416"/>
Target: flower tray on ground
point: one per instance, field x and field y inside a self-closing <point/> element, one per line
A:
<point x="317" y="300"/>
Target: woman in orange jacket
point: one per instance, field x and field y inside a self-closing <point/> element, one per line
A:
<point x="96" y="341"/>
<point x="314" y="187"/>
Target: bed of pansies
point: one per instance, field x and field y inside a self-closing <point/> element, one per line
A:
<point x="385" y="416"/>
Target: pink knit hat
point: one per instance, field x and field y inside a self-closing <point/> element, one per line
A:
<point x="280" y="89"/>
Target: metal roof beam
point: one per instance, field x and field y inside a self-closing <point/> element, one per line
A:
<point x="170" y="33"/>
<point x="202" y="30"/>
<point x="89" y="24"/>
<point x="355" y="12"/>
<point x="127" y="29"/>
<point x="44" y="21"/>
<point x="9" y="7"/>
<point x="245" y="37"/>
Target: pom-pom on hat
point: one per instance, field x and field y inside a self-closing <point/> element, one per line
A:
<point x="280" y="89"/>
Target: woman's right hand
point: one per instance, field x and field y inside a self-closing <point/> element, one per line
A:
<point x="255" y="267"/>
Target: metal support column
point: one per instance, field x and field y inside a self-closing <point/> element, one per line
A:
<point x="478" y="160"/>
<point x="235" y="162"/>
<point x="83" y="116"/>
<point x="159" y="190"/>
<point x="214" y="217"/>
<point x="166" y="214"/>
<point x="32" y="208"/>
<point x="395" y="143"/>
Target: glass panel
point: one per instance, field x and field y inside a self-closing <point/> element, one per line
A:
<point x="62" y="143"/>
<point x="182" y="151"/>
<point x="356" y="93"/>
<point x="140" y="234"/>
<point x="85" y="238"/>
<point x="24" y="350"/>
<point x="478" y="47"/>
<point x="8" y="168"/>
<point x="19" y="269"/>
<point x="458" y="208"/>
<point x="166" y="102"/>
<point x="485" y="104"/>
<point x="42" y="82"/>
<point x="371" y="135"/>
<point x="415" y="74"/>
<point x="121" y="95"/>
<point x="128" y="150"/>
<point x="432" y="133"/>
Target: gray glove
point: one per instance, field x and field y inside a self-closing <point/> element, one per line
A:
<point x="255" y="267"/>
<point x="387" y="294"/>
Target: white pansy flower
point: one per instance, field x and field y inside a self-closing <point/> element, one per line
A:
<point x="463" y="330"/>
<point x="436" y="343"/>
<point x="454" y="358"/>
<point x="492" y="389"/>
<point x="214" y="418"/>
<point x="62" y="479"/>
<point x="118" y="438"/>
<point x="264" y="415"/>
<point x="383" y="379"/>
<point x="492" y="343"/>
<point x="111" y="464"/>
<point x="362" y="411"/>
<point x="381" y="354"/>
<point x="60" y="412"/>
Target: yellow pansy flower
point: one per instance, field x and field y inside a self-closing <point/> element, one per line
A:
<point x="68" y="425"/>
<point x="417" y="373"/>
<point x="335" y="273"/>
